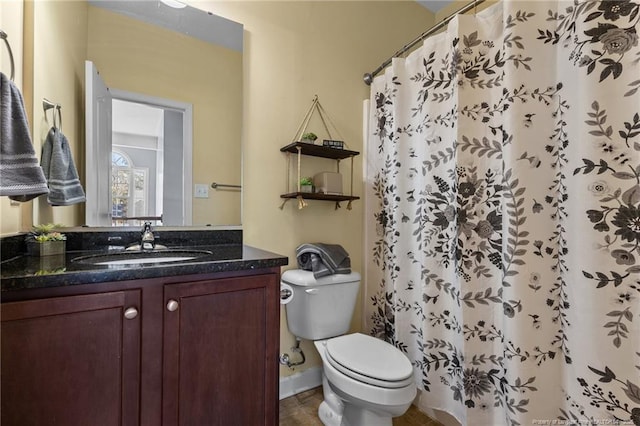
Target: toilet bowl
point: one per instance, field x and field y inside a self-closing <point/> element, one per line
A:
<point x="372" y="379"/>
<point x="366" y="381"/>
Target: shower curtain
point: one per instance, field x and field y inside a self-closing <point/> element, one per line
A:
<point x="503" y="214"/>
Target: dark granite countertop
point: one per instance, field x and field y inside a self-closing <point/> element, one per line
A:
<point x="22" y="272"/>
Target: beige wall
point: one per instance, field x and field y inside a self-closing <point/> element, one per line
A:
<point x="59" y="50"/>
<point x="53" y="55"/>
<point x="150" y="60"/>
<point x="293" y="51"/>
<point x="457" y="4"/>
<point x="11" y="22"/>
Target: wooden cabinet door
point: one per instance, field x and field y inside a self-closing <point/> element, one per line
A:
<point x="220" y="352"/>
<point x="71" y="360"/>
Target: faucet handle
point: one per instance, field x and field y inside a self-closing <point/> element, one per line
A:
<point x="147" y="241"/>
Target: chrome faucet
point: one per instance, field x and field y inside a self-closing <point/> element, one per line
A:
<point x="147" y="240"/>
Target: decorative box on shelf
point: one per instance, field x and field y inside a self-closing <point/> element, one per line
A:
<point x="328" y="183"/>
<point x="333" y="144"/>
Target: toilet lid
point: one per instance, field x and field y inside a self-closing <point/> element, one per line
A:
<point x="370" y="360"/>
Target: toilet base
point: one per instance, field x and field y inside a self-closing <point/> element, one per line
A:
<point x="328" y="416"/>
<point x="334" y="412"/>
<point x="358" y="416"/>
<point x="352" y="416"/>
<point x="330" y="411"/>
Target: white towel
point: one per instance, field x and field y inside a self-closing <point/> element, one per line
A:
<point x="59" y="169"/>
<point x="21" y="178"/>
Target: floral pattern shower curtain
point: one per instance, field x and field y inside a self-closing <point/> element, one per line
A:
<point x="503" y="214"/>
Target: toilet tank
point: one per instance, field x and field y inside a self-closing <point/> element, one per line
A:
<point x="320" y="308"/>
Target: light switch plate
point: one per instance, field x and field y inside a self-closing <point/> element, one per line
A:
<point x="201" y="191"/>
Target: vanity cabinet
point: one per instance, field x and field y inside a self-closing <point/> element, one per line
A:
<point x="191" y="350"/>
<point x="218" y="367"/>
<point x="71" y="360"/>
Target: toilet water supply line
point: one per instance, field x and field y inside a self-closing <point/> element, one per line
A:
<point x="285" y="360"/>
<point x="286" y="296"/>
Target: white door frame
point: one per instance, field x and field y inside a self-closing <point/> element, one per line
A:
<point x="187" y="139"/>
<point x="98" y="148"/>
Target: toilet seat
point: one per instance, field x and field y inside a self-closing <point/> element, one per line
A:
<point x="369" y="360"/>
<point x="359" y="393"/>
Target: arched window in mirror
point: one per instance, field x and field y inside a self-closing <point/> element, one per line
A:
<point x="129" y="190"/>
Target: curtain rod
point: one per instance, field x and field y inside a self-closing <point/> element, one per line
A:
<point x="368" y="77"/>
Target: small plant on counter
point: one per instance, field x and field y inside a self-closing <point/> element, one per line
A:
<point x="44" y="241"/>
<point x="309" y="137"/>
<point x="45" y="232"/>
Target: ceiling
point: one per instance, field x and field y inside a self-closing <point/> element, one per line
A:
<point x="436" y="5"/>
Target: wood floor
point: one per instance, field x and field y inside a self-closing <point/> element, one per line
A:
<point x="302" y="410"/>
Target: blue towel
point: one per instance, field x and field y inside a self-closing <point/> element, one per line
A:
<point x="59" y="169"/>
<point x="21" y="178"/>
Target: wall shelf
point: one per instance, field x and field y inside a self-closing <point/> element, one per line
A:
<point x="315" y="196"/>
<point x="308" y="149"/>
<point x="318" y="151"/>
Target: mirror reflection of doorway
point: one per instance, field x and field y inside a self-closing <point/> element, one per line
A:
<point x="137" y="163"/>
<point x="150" y="189"/>
<point x="152" y="141"/>
<point x="129" y="190"/>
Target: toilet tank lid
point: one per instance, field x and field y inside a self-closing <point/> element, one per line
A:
<point x="304" y="278"/>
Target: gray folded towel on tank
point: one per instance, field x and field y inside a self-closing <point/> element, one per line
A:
<point x="21" y="177"/>
<point x="59" y="169"/>
<point x="323" y="259"/>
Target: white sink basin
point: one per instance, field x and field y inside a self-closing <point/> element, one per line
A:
<point x="141" y="257"/>
<point x="145" y="260"/>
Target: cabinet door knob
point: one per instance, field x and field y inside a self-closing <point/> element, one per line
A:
<point x="130" y="313"/>
<point x="172" y="305"/>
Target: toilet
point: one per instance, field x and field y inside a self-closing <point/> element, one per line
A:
<point x="365" y="381"/>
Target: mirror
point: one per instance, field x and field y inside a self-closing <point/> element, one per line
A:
<point x="150" y="51"/>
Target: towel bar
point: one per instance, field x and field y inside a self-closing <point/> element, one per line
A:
<point x="124" y="218"/>
<point x="216" y="185"/>
<point x="4" y="36"/>
<point x="47" y="105"/>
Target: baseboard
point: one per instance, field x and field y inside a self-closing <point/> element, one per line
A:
<point x="300" y="382"/>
